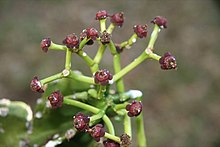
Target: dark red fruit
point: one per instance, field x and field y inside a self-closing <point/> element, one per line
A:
<point x="168" y="61"/>
<point x="125" y="140"/>
<point x="81" y="121"/>
<point x="102" y="77"/>
<point x="140" y="30"/>
<point x="134" y="109"/>
<point x="117" y="19"/>
<point x="83" y="35"/>
<point x="110" y="143"/>
<point x="36" y="85"/>
<point x="71" y="41"/>
<point x="97" y="132"/>
<point x="160" y="21"/>
<point x="45" y="44"/>
<point x="56" y="99"/>
<point x="101" y="15"/>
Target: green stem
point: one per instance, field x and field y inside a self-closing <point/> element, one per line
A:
<point x="101" y="91"/>
<point x="127" y="125"/>
<point x="130" y="66"/>
<point x="109" y="124"/>
<point x="154" y="56"/>
<point x="79" y="104"/>
<point x="153" y="37"/>
<point x="142" y="141"/>
<point x="110" y="28"/>
<point x="68" y="59"/>
<point x="83" y="42"/>
<point x="86" y="58"/>
<point x="51" y="78"/>
<point x="96" y="116"/>
<point x="102" y="25"/>
<point x="54" y="46"/>
<point x="112" y="137"/>
<point x="79" y="77"/>
<point x="130" y="41"/>
<point x="120" y="106"/>
<point x="99" y="54"/>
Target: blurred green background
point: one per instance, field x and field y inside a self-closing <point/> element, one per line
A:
<point x="181" y="108"/>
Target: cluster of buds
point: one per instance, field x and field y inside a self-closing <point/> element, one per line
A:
<point x="102" y="78"/>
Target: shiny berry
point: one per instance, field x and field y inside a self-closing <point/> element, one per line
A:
<point x="92" y="33"/>
<point x="83" y="35"/>
<point x="168" y="61"/>
<point x="36" y="85"/>
<point x="45" y="44"/>
<point x="97" y="132"/>
<point x="101" y="15"/>
<point x="140" y="30"/>
<point x="56" y="99"/>
<point x="71" y="41"/>
<point x="105" y="37"/>
<point x="160" y="21"/>
<point x="110" y="143"/>
<point x="134" y="109"/>
<point x="117" y="19"/>
<point x="81" y="121"/>
<point x="125" y="140"/>
<point x="102" y="77"/>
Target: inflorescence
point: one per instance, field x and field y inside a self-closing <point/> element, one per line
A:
<point x="101" y="79"/>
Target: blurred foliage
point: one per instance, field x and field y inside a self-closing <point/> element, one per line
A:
<point x="181" y="107"/>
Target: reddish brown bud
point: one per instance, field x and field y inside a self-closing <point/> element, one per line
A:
<point x="102" y="77"/>
<point x="36" y="85"/>
<point x="134" y="109"/>
<point x="168" y="61"/>
<point x="160" y="21"/>
<point x="140" y="30"/>
<point x="92" y="33"/>
<point x="71" y="41"/>
<point x="83" y="35"/>
<point x="119" y="49"/>
<point x="101" y="15"/>
<point x="81" y="121"/>
<point x="97" y="132"/>
<point x="125" y="140"/>
<point x="45" y="44"/>
<point x="56" y="99"/>
<point x="117" y="19"/>
<point x="105" y="37"/>
<point x="110" y="143"/>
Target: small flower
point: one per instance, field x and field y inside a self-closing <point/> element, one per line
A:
<point x="134" y="109"/>
<point x="102" y="77"/>
<point x="45" y="44"/>
<point x="117" y="19"/>
<point x="105" y="37"/>
<point x="97" y="132"/>
<point x="168" y="61"/>
<point x="92" y="33"/>
<point x="101" y="15"/>
<point x="36" y="85"/>
<point x="81" y="121"/>
<point x="83" y="35"/>
<point x="125" y="140"/>
<point x="140" y="30"/>
<point x="110" y="143"/>
<point x="160" y="21"/>
<point x="56" y="99"/>
<point x="71" y="41"/>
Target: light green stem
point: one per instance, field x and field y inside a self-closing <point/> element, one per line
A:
<point x="68" y="59"/>
<point x="112" y="137"/>
<point x="96" y="116"/>
<point x="153" y="37"/>
<point x="109" y="124"/>
<point x="79" y="77"/>
<point x="101" y="91"/>
<point x="130" y="66"/>
<point x="154" y="56"/>
<point x="54" y="46"/>
<point x="127" y="125"/>
<point x="120" y="106"/>
<point x="99" y="54"/>
<point x="51" y="78"/>
<point x="110" y="28"/>
<point x="86" y="58"/>
<point x="102" y="25"/>
<point x="130" y="41"/>
<point x="83" y="42"/>
<point x="141" y="137"/>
